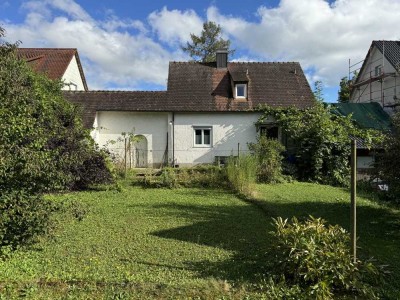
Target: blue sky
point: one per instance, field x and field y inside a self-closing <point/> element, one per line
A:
<point x="127" y="44"/>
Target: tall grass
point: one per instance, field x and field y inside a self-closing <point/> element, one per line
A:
<point x="242" y="174"/>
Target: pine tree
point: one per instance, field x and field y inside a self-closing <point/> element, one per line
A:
<point x="204" y="47"/>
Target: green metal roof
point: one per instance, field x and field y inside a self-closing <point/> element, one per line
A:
<point x="366" y="115"/>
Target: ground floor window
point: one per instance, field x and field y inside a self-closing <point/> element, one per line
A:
<point x="202" y="136"/>
<point x="271" y="132"/>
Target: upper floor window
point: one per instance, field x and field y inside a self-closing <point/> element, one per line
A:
<point x="378" y="70"/>
<point x="240" y="90"/>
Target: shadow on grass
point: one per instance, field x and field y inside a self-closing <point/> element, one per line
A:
<point x="245" y="231"/>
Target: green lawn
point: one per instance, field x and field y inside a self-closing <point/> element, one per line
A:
<point x="149" y="243"/>
<point x="184" y="243"/>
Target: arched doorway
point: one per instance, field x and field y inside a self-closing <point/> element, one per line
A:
<point x="140" y="151"/>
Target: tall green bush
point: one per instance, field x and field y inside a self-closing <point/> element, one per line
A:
<point x="268" y="153"/>
<point x="317" y="258"/>
<point x="321" y="141"/>
<point x="387" y="163"/>
<point x="43" y="144"/>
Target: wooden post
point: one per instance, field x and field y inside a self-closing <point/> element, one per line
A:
<point x="353" y="233"/>
<point x="238" y="150"/>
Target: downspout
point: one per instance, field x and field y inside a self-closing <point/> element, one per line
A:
<point x="173" y="139"/>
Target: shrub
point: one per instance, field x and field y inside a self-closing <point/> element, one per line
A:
<point x="319" y="141"/>
<point x="22" y="218"/>
<point x="387" y="163"/>
<point x="269" y="158"/>
<point x="317" y="258"/>
<point x="241" y="173"/>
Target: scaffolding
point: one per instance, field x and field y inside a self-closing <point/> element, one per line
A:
<point x="382" y="93"/>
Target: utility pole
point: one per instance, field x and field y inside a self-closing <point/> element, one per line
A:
<point x="353" y="213"/>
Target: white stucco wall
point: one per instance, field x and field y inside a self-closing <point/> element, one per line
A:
<point x="153" y="126"/>
<point x="372" y="92"/>
<point x="228" y="129"/>
<point x="73" y="76"/>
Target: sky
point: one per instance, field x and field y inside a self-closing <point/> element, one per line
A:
<point x="126" y="45"/>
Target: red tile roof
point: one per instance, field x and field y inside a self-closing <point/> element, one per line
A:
<point x="198" y="87"/>
<point x="51" y="61"/>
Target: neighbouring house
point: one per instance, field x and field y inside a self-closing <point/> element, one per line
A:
<point x="366" y="116"/>
<point x="377" y="79"/>
<point x="58" y="64"/>
<point x="207" y="113"/>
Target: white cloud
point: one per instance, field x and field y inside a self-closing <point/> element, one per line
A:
<point x="175" y="26"/>
<point x="321" y="36"/>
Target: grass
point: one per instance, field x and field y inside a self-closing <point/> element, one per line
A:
<point x="145" y="243"/>
<point x="180" y="244"/>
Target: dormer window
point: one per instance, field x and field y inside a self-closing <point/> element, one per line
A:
<point x="240" y="90"/>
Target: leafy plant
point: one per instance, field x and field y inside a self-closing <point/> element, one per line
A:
<point x="320" y="141"/>
<point x="317" y="258"/>
<point x="268" y="153"/>
<point x="22" y="218"/>
<point x="387" y="163"/>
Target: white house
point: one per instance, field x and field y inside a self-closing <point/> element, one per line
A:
<point x="58" y="64"/>
<point x="206" y="114"/>
<point x="378" y="78"/>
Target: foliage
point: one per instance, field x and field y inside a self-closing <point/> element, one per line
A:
<point x="43" y="145"/>
<point x="387" y="163"/>
<point x="22" y="218"/>
<point x="203" y="48"/>
<point x="197" y="176"/>
<point x="321" y="141"/>
<point x="268" y="153"/>
<point x="242" y="173"/>
<point x="344" y="91"/>
<point x="317" y="258"/>
<point x="318" y="91"/>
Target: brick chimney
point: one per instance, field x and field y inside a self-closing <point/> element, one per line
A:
<point x="222" y="58"/>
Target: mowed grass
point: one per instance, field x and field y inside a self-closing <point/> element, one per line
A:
<point x="378" y="225"/>
<point x="143" y="244"/>
<point x="182" y="243"/>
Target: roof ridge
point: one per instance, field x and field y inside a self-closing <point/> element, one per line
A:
<point x="115" y="91"/>
<point x="47" y="48"/>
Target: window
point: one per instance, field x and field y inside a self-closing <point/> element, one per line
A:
<point x="378" y="70"/>
<point x="271" y="132"/>
<point x="202" y="136"/>
<point x="241" y="90"/>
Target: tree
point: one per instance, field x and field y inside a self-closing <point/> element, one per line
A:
<point x="344" y="91"/>
<point x="204" y="47"/>
<point x="318" y="91"/>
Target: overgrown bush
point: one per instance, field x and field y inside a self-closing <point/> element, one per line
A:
<point x="43" y="144"/>
<point x="268" y="153"/>
<point x="317" y="259"/>
<point x="22" y="218"/>
<point x="242" y="174"/>
<point x="387" y="163"/>
<point x="320" y="141"/>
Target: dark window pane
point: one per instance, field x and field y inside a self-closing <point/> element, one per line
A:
<point x="198" y="136"/>
<point x="207" y="137"/>
<point x="240" y="91"/>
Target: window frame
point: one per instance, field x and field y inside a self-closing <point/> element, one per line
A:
<point x="245" y="90"/>
<point x="202" y="144"/>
